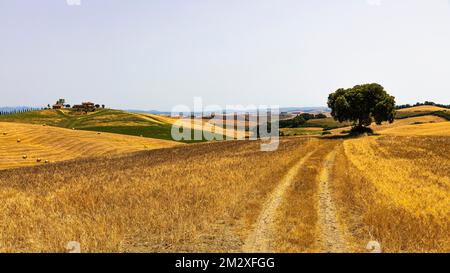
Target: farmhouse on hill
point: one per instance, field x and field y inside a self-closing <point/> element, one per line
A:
<point x="83" y="107"/>
<point x="87" y="106"/>
<point x="59" y="104"/>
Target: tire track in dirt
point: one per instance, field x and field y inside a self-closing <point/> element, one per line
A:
<point x="260" y="240"/>
<point x="331" y="238"/>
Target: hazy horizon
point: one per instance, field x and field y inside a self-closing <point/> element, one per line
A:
<point x="153" y="55"/>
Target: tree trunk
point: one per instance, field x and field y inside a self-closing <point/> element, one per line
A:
<point x="360" y="123"/>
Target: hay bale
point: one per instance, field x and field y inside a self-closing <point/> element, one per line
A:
<point x="38" y="160"/>
<point x="19" y="140"/>
<point x="24" y="156"/>
<point x="46" y="161"/>
<point x="5" y="133"/>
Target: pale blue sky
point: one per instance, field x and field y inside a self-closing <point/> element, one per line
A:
<point x="154" y="54"/>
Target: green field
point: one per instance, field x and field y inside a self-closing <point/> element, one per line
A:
<point x="160" y="131"/>
<point x="326" y="123"/>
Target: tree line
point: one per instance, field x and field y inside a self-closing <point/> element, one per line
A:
<point x="426" y="103"/>
<point x="12" y="111"/>
<point x="300" y="120"/>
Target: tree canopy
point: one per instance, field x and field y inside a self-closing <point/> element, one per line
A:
<point x="362" y="105"/>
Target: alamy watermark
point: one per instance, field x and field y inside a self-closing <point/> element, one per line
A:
<point x="234" y="122"/>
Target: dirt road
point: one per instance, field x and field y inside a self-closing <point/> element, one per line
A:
<point x="260" y="240"/>
<point x="331" y="238"/>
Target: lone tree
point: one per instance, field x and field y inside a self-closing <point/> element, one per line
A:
<point x="361" y="105"/>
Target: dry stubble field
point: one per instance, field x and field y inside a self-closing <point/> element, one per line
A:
<point x="312" y="195"/>
<point x="197" y="198"/>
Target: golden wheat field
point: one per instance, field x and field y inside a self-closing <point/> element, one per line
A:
<point x="421" y="129"/>
<point x="314" y="194"/>
<point x="423" y="108"/>
<point x="397" y="188"/>
<point x="25" y="144"/>
<point x="196" y="198"/>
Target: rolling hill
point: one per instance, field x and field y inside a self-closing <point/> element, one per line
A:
<point x="402" y="126"/>
<point x="59" y="135"/>
<point x="103" y="120"/>
<point x="420" y="129"/>
<point x="423" y="110"/>
<point x="18" y="140"/>
<point x="119" y="122"/>
<point x="206" y="125"/>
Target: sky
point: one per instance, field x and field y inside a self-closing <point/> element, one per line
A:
<point x="155" y="54"/>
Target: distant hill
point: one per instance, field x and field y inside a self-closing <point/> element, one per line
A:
<point x="423" y="110"/>
<point x="15" y="108"/>
<point x="423" y="104"/>
<point x="282" y="109"/>
<point x="306" y="109"/>
<point x="154" y="112"/>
